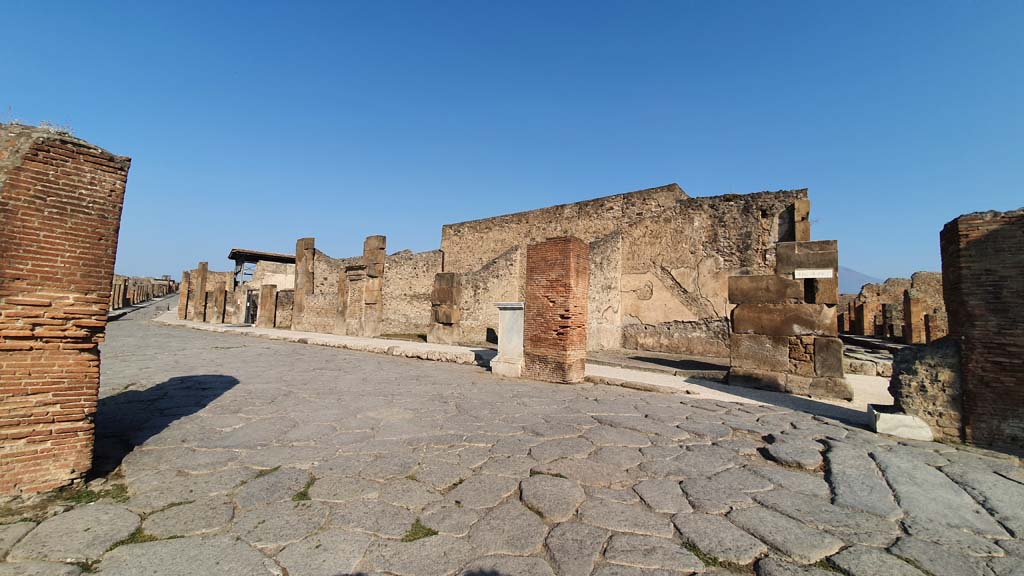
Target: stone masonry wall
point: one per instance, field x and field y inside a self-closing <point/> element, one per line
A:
<point x="659" y="262"/>
<point x="555" y="324"/>
<point x="983" y="283"/>
<point x="408" y="282"/>
<point x="60" y="211"/>
<point x="926" y="383"/>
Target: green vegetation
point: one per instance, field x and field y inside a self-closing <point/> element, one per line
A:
<point x="137" y="537"/>
<point x="418" y="531"/>
<point x="304" y="493"/>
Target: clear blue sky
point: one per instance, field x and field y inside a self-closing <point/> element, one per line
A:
<point x="252" y="123"/>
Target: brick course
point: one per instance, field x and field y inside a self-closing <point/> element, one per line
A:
<point x="555" y="325"/>
<point x="983" y="285"/>
<point x="60" y="211"/>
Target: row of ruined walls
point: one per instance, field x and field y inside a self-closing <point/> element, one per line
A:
<point x="129" y="291"/>
<point x="659" y="264"/>
<point x="909" y="310"/>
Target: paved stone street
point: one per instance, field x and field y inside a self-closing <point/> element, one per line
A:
<point x="245" y="456"/>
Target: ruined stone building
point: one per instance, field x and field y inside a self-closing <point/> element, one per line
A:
<point x="969" y="386"/>
<point x="659" y="263"/>
<point x="60" y="211"/>
<point x="909" y="310"/>
<point x="128" y="291"/>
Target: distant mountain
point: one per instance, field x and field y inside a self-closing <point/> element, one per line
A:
<point x="850" y="281"/>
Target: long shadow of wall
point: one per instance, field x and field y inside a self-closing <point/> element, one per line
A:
<point x="128" y="419"/>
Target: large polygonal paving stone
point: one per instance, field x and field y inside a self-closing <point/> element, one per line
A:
<point x="624" y="518"/>
<point x="11" y="533"/>
<point x="508" y="529"/>
<point x="434" y="555"/>
<point x="798" y="541"/>
<point x="555" y="499"/>
<point x="199" y="517"/>
<point x="483" y="491"/>
<point x="576" y="547"/>
<point x="273" y="486"/>
<point x="164" y="488"/>
<point x="80" y="535"/>
<point x="372" y="517"/>
<point x="561" y="448"/>
<point x="213" y="555"/>
<point x="37" y="568"/>
<point x="651" y="552"/>
<point x="718" y="537"/>
<point x="502" y="565"/>
<point x="276" y="525"/>
<point x="329" y="553"/>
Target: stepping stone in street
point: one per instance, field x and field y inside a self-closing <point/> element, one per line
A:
<point x="794" y="539"/>
<point x="79" y="535"/>
<point x="718" y="537"/>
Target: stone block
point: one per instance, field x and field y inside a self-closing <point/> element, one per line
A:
<point x="509" y="361"/>
<point x="802" y="220"/>
<point x="785" y="319"/>
<point x="267" y="306"/>
<point x="765" y="289"/>
<point x="759" y="352"/>
<point x="374" y="254"/>
<point x="822" y="290"/>
<point x="887" y="421"/>
<point x="444" y="333"/>
<point x="758" y="379"/>
<point x="835" y="388"/>
<point x="828" y="357"/>
<point x="790" y="256"/>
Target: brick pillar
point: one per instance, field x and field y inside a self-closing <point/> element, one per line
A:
<point x="60" y="210"/>
<point x="304" y="254"/>
<point x="555" y="332"/>
<point x="267" y="306"/>
<point x="199" y="293"/>
<point x="183" y="296"/>
<point x="983" y="286"/>
<point x="913" y="318"/>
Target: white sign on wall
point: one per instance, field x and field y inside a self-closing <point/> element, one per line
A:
<point x="800" y="273"/>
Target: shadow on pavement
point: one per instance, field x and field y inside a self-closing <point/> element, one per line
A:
<point x="129" y="418"/>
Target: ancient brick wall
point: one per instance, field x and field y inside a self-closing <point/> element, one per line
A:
<point x="555" y="325"/>
<point x="500" y="280"/>
<point x="408" y="281"/>
<point x="60" y="211"/>
<point x="320" y="308"/>
<point x="284" y="308"/>
<point x="983" y="283"/>
<point x="201" y="285"/>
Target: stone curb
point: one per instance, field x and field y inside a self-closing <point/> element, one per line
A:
<point x="432" y="352"/>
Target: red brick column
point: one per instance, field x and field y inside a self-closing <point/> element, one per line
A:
<point x="555" y="331"/>
<point x="983" y="286"/>
<point x="60" y="210"/>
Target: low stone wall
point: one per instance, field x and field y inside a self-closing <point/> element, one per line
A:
<point x="926" y="383"/>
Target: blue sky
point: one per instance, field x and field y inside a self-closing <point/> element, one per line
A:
<point x="254" y="123"/>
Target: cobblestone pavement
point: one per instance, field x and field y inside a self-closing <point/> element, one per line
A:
<point x="247" y="456"/>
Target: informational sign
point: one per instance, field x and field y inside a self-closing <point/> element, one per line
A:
<point x="800" y="273"/>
